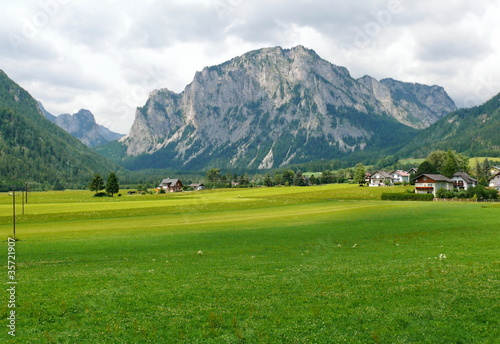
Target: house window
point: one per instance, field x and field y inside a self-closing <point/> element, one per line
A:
<point x="425" y="179"/>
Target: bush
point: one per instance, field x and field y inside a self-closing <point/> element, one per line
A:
<point x="101" y="194"/>
<point x="407" y="197"/>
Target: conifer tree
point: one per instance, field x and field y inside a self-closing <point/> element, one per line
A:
<point x="97" y="184"/>
<point x="112" y="185"/>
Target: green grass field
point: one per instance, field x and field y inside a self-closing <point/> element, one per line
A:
<point x="323" y="264"/>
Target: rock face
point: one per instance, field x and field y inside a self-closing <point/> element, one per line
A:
<point x="272" y="107"/>
<point x="415" y="105"/>
<point x="83" y="126"/>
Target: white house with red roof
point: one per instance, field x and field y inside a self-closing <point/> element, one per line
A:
<point x="400" y="176"/>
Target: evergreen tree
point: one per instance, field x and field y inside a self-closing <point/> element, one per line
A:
<point x="478" y="170"/>
<point x="450" y="166"/>
<point x="97" y="184"/>
<point x="486" y="168"/>
<point x="288" y="177"/>
<point x="278" y="179"/>
<point x="112" y="186"/>
<point x="268" y="181"/>
<point x="359" y="176"/>
<point x="426" y="167"/>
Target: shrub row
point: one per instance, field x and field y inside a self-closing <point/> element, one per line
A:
<point x="478" y="192"/>
<point x="406" y="197"/>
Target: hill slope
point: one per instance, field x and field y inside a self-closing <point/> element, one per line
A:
<point x="474" y="131"/>
<point x="273" y="107"/>
<point x="34" y="149"/>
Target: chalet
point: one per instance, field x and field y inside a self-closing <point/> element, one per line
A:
<point x="431" y="183"/>
<point x="368" y="176"/>
<point x="494" y="170"/>
<point x="494" y="182"/>
<point x="462" y="181"/>
<point x="197" y="187"/>
<point x="400" y="176"/>
<point x="413" y="170"/>
<point x="380" y="178"/>
<point x="171" y="185"/>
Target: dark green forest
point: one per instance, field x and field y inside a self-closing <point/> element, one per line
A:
<point x="34" y="150"/>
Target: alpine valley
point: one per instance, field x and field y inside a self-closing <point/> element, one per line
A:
<point x="274" y="107"/>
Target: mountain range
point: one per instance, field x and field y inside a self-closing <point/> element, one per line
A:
<point x="266" y="109"/>
<point x="83" y="126"/>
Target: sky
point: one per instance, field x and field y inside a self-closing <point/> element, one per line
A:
<point x="107" y="56"/>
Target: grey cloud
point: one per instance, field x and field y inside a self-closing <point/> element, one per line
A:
<point x="450" y="46"/>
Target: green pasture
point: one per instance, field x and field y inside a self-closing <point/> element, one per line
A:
<point x="323" y="264"/>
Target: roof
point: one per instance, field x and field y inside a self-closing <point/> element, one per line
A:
<point x="401" y="173"/>
<point x="196" y="185"/>
<point x="169" y="181"/>
<point x="436" y="177"/>
<point x="382" y="173"/>
<point x="495" y="175"/>
<point x="468" y="179"/>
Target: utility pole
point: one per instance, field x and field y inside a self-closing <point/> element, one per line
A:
<point x="13" y="212"/>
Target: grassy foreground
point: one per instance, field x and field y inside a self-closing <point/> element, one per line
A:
<point x="326" y="264"/>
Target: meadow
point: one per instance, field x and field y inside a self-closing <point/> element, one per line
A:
<point x="322" y="264"/>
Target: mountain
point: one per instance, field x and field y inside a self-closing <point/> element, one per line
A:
<point x="36" y="150"/>
<point x="83" y="126"/>
<point x="273" y="107"/>
<point x="47" y="114"/>
<point x="474" y="131"/>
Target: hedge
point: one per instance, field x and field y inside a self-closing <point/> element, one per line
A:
<point x="407" y="197"/>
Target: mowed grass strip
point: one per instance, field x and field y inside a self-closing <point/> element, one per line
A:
<point x="297" y="269"/>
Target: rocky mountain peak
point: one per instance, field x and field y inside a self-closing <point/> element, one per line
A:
<point x="274" y="106"/>
<point x="83" y="126"/>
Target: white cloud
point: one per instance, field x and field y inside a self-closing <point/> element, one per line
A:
<point x="108" y="56"/>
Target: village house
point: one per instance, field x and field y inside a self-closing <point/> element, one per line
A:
<point x="462" y="181"/>
<point x="368" y="176"/>
<point x="494" y="182"/>
<point x="400" y="176"/>
<point x="171" y="185"/>
<point x="431" y="183"/>
<point x="380" y="178"/>
<point x="197" y="187"/>
<point x="413" y="170"/>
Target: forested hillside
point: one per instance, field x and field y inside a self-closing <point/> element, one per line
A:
<point x="34" y="150"/>
<point x="473" y="131"/>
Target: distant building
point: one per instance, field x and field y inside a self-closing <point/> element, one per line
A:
<point x="494" y="182"/>
<point x="197" y="187"/>
<point x="380" y="178"/>
<point x="462" y="181"/>
<point x="400" y="176"/>
<point x="171" y="185"/>
<point x="431" y="183"/>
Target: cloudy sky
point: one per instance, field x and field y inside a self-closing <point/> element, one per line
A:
<point x="106" y="56"/>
